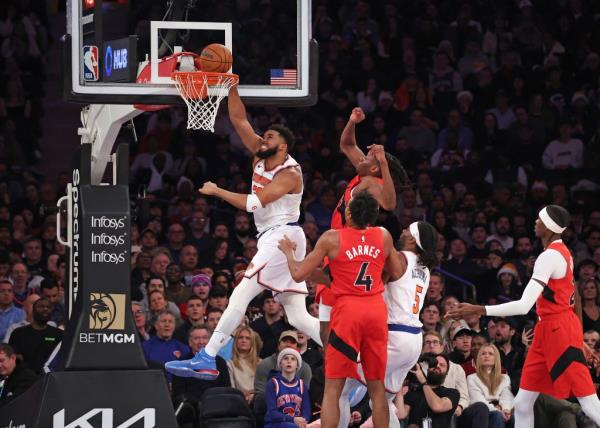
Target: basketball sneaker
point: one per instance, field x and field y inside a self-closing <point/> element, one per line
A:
<point x="202" y="367"/>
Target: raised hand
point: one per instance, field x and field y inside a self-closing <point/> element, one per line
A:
<point x="357" y="115"/>
<point x="209" y="188"/>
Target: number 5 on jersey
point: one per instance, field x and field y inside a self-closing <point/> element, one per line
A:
<point x="363" y="280"/>
<point x="417" y="304"/>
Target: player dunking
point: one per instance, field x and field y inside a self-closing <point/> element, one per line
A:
<point x="275" y="201"/>
<point x="357" y="256"/>
<point x="555" y="363"/>
<point x="404" y="296"/>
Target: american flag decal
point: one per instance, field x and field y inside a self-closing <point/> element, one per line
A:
<point x="283" y="76"/>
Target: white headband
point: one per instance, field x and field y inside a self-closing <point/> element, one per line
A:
<point x="414" y="231"/>
<point x="549" y="223"/>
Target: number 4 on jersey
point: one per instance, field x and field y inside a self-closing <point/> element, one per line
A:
<point x="363" y="280"/>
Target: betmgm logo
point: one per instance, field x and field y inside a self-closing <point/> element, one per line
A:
<point x="107" y="312"/>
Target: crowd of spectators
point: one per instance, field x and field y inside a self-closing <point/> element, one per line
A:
<point x="493" y="109"/>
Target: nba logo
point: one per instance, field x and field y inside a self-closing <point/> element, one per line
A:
<point x="90" y="63"/>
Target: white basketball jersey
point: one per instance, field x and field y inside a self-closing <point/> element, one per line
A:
<point x="405" y="296"/>
<point x="285" y="209"/>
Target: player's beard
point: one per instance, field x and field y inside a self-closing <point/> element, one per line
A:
<point x="265" y="154"/>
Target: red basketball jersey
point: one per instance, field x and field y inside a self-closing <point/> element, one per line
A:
<point x="359" y="263"/>
<point x="559" y="295"/>
<point x="338" y="218"/>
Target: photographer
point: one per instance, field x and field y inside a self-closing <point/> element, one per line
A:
<point x="430" y="403"/>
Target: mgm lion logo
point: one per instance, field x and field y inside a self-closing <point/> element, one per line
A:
<point x="107" y="311"/>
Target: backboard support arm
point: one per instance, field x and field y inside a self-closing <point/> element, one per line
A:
<point x="101" y="124"/>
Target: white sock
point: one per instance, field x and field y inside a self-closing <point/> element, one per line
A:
<point x="394" y="421"/>
<point x="524" y="402"/>
<point x="344" y="404"/>
<point x="591" y="407"/>
<point x="229" y="321"/>
<point x="243" y="294"/>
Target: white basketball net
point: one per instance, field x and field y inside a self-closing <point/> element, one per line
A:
<point x="202" y="93"/>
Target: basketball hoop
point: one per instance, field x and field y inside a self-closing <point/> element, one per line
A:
<point x="202" y="93"/>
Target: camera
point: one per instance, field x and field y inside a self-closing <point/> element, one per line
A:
<point x="426" y="361"/>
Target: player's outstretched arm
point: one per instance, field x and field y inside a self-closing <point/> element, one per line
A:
<point x="519" y="307"/>
<point x="287" y="181"/>
<point x="239" y="120"/>
<point x="395" y="264"/>
<point x="302" y="269"/>
<point x="348" y="144"/>
<point x="386" y="194"/>
<point x="238" y="200"/>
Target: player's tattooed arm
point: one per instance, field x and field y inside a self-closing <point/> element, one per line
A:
<point x="302" y="269"/>
<point x="287" y="181"/>
<point x="385" y="194"/>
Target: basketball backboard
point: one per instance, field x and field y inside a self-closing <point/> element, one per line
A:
<point x="109" y="41"/>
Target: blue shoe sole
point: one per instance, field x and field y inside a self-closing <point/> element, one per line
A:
<point x="195" y="374"/>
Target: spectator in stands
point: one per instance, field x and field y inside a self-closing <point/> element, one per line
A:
<point x="502" y="233"/>
<point x="591" y="338"/>
<point x="455" y="378"/>
<point x="430" y="317"/>
<point x="9" y="313"/>
<point x="589" y="290"/>
<point x="188" y="261"/>
<point x="162" y="347"/>
<point x="309" y="351"/>
<point x="454" y="123"/>
<point x="140" y="320"/>
<point x="489" y="386"/>
<point x="158" y="303"/>
<point x="200" y="285"/>
<point x="479" y="339"/>
<point x="242" y="231"/>
<point x="19" y="275"/>
<point x="586" y="269"/>
<point x="432" y="399"/>
<point x="287" y="339"/>
<point x="35" y="342"/>
<point x="565" y="152"/>
<point x="218" y="297"/>
<point x="288" y="402"/>
<point x="508" y="285"/>
<point x="270" y="326"/>
<point x="176" y="292"/>
<point x="194" y="312"/>
<point x="460" y="266"/>
<point x="511" y="355"/>
<point x="34" y="256"/>
<point x="16" y="377"/>
<point x="461" y="342"/>
<point x="28" y="308"/>
<point x="435" y="292"/>
<point x="242" y="367"/>
<point x="49" y="290"/>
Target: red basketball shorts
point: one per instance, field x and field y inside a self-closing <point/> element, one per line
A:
<point x="555" y="364"/>
<point x="358" y="326"/>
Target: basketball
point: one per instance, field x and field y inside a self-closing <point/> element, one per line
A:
<point x="215" y="58"/>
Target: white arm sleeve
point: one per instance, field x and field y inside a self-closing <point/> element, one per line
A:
<point x="518" y="307"/>
<point x="549" y="264"/>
